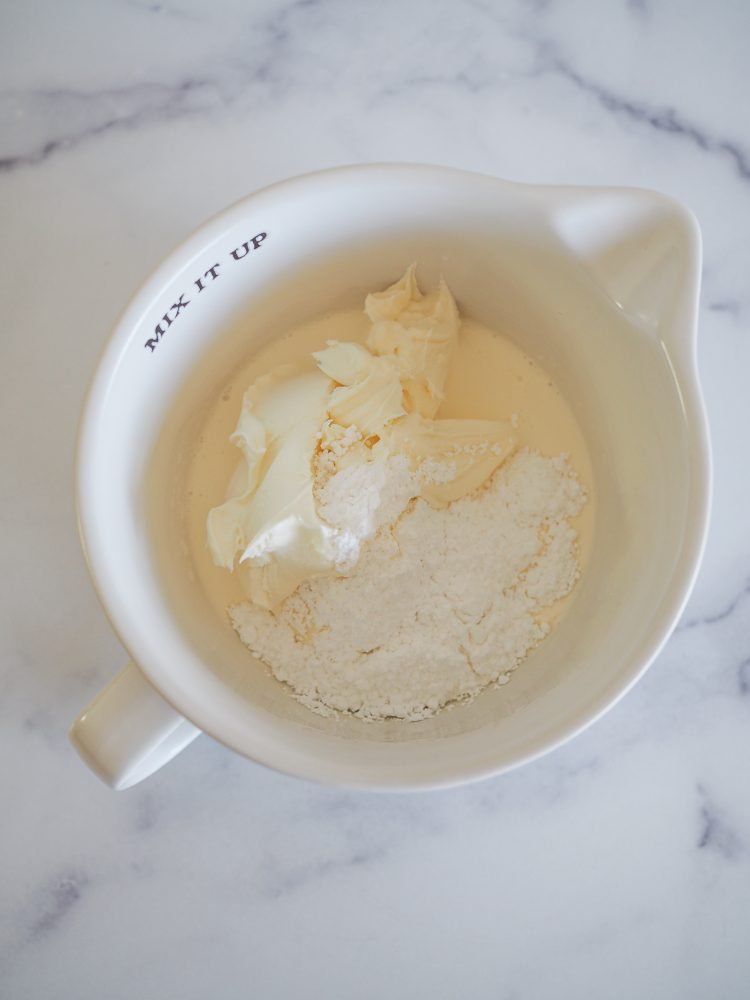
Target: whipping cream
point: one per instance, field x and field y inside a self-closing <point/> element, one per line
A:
<point x="489" y="378"/>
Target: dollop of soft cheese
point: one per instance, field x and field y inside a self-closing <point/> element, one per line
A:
<point x="331" y="456"/>
<point x="271" y="532"/>
<point x="368" y="394"/>
<point x="451" y="457"/>
<point x="417" y="333"/>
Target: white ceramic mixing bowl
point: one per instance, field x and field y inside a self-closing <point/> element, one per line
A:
<point x="600" y="286"/>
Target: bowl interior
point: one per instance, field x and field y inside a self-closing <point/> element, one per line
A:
<point x="508" y="270"/>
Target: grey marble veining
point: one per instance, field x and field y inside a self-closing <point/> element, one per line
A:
<point x="618" y="866"/>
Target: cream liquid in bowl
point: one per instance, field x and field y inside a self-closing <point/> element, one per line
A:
<point x="490" y="378"/>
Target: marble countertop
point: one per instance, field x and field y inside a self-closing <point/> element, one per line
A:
<point x="617" y="867"/>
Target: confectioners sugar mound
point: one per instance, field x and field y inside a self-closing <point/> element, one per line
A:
<point x="440" y="605"/>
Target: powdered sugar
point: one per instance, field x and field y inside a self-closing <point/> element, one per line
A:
<point x="364" y="498"/>
<point x="359" y="500"/>
<point x="440" y="604"/>
<point x="432" y="470"/>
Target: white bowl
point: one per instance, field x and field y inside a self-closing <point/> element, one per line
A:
<point x="600" y="286"/>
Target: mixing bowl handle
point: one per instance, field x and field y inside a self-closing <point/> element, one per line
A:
<point x="129" y="731"/>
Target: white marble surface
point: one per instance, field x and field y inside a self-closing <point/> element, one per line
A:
<point x="619" y="866"/>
